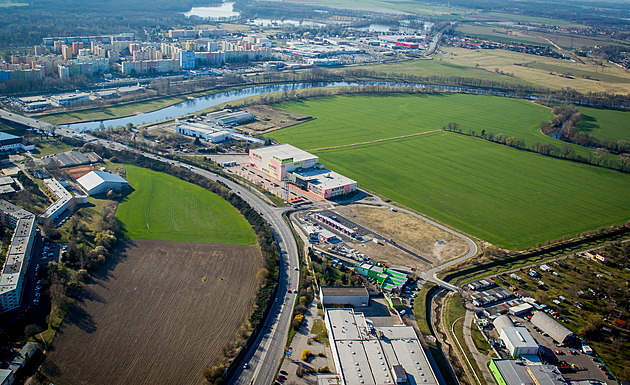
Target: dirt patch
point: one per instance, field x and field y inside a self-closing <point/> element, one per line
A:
<point x="415" y="234"/>
<point x="156" y="315"/>
<point x="270" y="119"/>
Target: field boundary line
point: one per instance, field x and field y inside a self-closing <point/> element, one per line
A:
<point x="373" y="141"/>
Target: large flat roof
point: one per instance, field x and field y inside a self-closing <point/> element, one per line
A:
<point x="519" y="337"/>
<point x="522" y="372"/>
<point x="367" y="354"/>
<point x="324" y="177"/>
<point x="345" y="291"/>
<point x="284" y="151"/>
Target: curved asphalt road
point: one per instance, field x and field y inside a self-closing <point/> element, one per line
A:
<point x="264" y="357"/>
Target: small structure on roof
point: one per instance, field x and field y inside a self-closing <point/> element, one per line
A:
<point x="552" y="327"/>
<point x="98" y="182"/>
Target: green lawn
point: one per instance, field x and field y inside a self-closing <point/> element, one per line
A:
<point x="163" y="207"/>
<point x="605" y="124"/>
<point x="508" y="197"/>
<point x="344" y="120"/>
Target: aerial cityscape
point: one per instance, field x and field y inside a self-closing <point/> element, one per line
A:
<point x="326" y="192"/>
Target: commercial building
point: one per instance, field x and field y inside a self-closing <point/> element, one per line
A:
<point x="18" y="255"/>
<point x="72" y="158"/>
<point x="387" y="279"/>
<point x="6" y="377"/>
<point x="9" y="142"/>
<point x="518" y="341"/>
<point x="552" y="327"/>
<point x="230" y="118"/>
<point x="527" y="371"/>
<point x="355" y="296"/>
<point x="285" y="162"/>
<point x="278" y="161"/>
<point x="370" y="355"/>
<point x="323" y="182"/>
<point x="66" y="99"/>
<point x="98" y="182"/>
<point x="203" y="131"/>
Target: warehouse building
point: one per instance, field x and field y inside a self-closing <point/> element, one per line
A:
<point x="230" y="118"/>
<point x="98" y="182"/>
<point x="365" y="354"/>
<point x="528" y="371"/>
<point x="18" y="255"/>
<point x="285" y="162"/>
<point x="518" y="341"/>
<point x="278" y="161"/>
<point x="552" y="327"/>
<point x="502" y="321"/>
<point x="72" y="158"/>
<point x="203" y="131"/>
<point x="9" y="142"/>
<point x="355" y="296"/>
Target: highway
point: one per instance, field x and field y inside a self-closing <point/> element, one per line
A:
<point x="264" y="357"/>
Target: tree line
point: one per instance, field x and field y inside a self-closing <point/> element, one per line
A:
<point x="599" y="157"/>
<point x="563" y="126"/>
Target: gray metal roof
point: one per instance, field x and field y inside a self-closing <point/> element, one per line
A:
<point x="550" y="326"/>
<point x="502" y="321"/>
<point x="344" y="291"/>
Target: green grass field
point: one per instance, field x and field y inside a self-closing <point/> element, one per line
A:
<point x="605" y="124"/>
<point x="163" y="207"/>
<point x="342" y="120"/>
<point x="508" y="197"/>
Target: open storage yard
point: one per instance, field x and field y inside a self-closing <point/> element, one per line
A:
<point x="429" y="241"/>
<point x="156" y="314"/>
<point x="505" y="196"/>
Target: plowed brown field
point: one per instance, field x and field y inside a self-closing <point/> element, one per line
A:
<point x="158" y="314"/>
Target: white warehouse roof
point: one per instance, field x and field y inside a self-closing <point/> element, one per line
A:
<point x="97" y="182"/>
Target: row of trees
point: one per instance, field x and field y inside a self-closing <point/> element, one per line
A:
<point x="597" y="157"/>
<point x="563" y="126"/>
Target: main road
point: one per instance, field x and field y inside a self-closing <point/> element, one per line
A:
<point x="264" y="356"/>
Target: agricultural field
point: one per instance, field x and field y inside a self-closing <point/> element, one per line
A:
<point x="156" y="314"/>
<point x="162" y="207"/>
<point x="343" y="120"/>
<point x="610" y="78"/>
<point x="605" y="124"/>
<point x="502" y="195"/>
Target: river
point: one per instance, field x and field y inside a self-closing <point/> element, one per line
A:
<point x="203" y="102"/>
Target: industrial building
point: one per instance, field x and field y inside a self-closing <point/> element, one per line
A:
<point x="10" y="142"/>
<point x="365" y="354"/>
<point x="355" y="296"/>
<point x="387" y="279"/>
<point x="518" y="341"/>
<point x="285" y="162"/>
<point x="527" y="371"/>
<point x="230" y="118"/>
<point x="72" y="158"/>
<point x="18" y="255"/>
<point x="98" y="182"/>
<point x="278" y="161"/>
<point x="552" y="327"/>
<point x="203" y="131"/>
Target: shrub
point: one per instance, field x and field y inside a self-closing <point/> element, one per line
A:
<point x="306" y="353"/>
